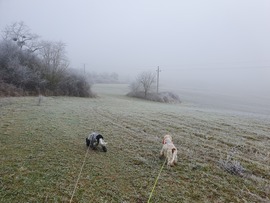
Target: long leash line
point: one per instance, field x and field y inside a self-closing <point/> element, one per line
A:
<point x="156" y="181"/>
<point x="79" y="176"/>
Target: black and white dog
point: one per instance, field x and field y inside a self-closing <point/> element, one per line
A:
<point x="94" y="139"/>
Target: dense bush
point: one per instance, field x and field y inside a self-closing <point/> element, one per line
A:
<point x="9" y="90"/>
<point x="26" y="73"/>
<point x="74" y="84"/>
<point x="29" y="66"/>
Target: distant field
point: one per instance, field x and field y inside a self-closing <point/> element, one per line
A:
<point x="42" y="148"/>
<point x="227" y="100"/>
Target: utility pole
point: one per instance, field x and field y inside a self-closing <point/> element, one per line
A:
<point x="158" y="71"/>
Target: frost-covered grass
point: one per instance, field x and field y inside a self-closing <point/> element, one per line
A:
<point x="42" y="149"/>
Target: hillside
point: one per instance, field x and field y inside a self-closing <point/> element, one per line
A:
<point x="42" y="150"/>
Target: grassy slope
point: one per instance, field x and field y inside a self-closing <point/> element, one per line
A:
<point x="42" y="149"/>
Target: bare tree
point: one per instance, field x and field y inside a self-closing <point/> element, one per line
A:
<point x="21" y="34"/>
<point x="53" y="54"/>
<point x="55" y="62"/>
<point x="145" y="80"/>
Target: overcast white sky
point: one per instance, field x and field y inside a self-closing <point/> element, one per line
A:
<point x="209" y="43"/>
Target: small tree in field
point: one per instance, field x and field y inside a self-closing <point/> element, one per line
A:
<point x="142" y="88"/>
<point x="145" y="81"/>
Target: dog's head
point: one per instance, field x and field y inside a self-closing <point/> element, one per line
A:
<point x="168" y="138"/>
<point x="102" y="142"/>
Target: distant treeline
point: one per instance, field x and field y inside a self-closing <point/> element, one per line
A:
<point x="30" y="66"/>
<point x="103" y="77"/>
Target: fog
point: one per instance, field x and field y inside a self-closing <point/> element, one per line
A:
<point x="202" y="47"/>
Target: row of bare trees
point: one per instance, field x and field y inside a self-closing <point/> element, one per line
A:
<point x="32" y="66"/>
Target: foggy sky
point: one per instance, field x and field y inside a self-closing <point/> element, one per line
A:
<point x="222" y="44"/>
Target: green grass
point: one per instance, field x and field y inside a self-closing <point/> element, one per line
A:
<point x="42" y="149"/>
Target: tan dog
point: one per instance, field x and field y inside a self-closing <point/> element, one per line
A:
<point x="169" y="151"/>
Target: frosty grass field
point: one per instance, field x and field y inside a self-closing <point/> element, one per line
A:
<point x="42" y="149"/>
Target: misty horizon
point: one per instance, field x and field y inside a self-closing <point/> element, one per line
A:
<point x="221" y="47"/>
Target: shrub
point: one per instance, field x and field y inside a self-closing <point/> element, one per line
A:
<point x="232" y="166"/>
<point x="7" y="90"/>
<point x="164" y="97"/>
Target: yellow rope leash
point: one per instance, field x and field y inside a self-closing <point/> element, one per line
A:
<point x="79" y="175"/>
<point x="156" y="182"/>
